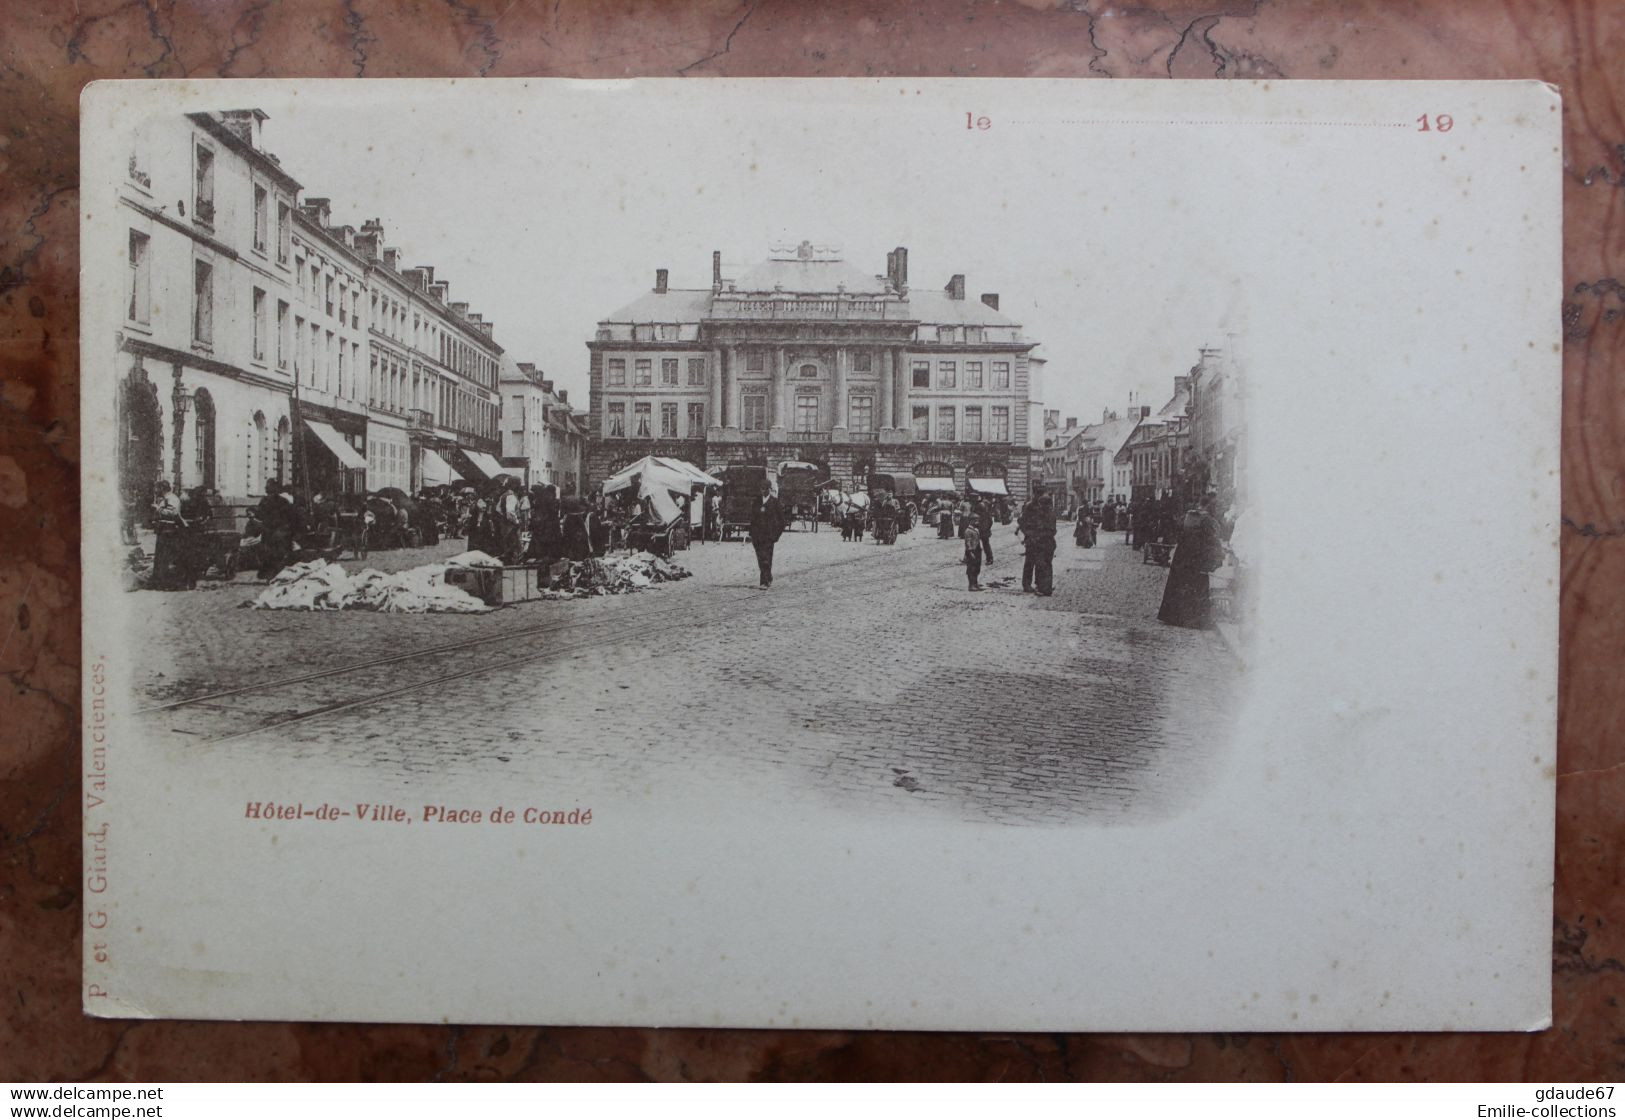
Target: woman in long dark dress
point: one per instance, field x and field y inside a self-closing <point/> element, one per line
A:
<point x="1199" y="551"/>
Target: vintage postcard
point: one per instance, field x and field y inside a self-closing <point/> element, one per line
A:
<point x="932" y="554"/>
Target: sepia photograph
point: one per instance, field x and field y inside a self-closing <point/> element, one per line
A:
<point x="827" y="553"/>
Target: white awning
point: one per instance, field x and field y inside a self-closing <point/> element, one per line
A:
<point x="485" y="464"/>
<point x="927" y="482"/>
<point x="436" y="471"/>
<point x="988" y="486"/>
<point x="338" y="445"/>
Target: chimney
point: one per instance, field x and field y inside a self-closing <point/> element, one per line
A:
<point x="373" y="225"/>
<point x="525" y="367"/>
<point x="392" y="259"/>
<point x="428" y="274"/>
<point x="1052" y="418"/>
<point x="902" y="269"/>
<point x="991" y="299"/>
<point x="440" y="290"/>
<point x="1145" y="411"/>
<point x="891" y="268"/>
<point x="1181" y="383"/>
<point x="486" y="328"/>
<point x="318" y="210"/>
<point x="461" y="309"/>
<point x="366" y="243"/>
<point x="564" y="398"/>
<point x="716" y="271"/>
<point x="244" y="124"/>
<point x="956" y="286"/>
<point x="660" y="281"/>
<point x="547" y="386"/>
<point x="1071" y="422"/>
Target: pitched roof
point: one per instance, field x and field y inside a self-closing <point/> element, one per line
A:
<point x="675" y="305"/>
<point x="1112" y="435"/>
<point x="935" y="307"/>
<point x="1177" y="403"/>
<point x="810" y="276"/>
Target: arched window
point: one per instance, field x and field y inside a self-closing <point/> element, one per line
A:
<point x="809" y="370"/>
<point x="203" y="432"/>
<point x="284" y="441"/>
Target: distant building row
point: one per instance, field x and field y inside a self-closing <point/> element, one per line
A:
<point x="1191" y="445"/>
<point x="260" y="340"/>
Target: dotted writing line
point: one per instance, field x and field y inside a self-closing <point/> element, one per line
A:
<point x="1320" y="124"/>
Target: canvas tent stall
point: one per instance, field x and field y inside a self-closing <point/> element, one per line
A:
<point x="663" y="481"/>
<point x="992" y="486"/>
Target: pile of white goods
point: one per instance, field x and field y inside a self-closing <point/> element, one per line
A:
<point x="614" y="575"/>
<point x="321" y="586"/>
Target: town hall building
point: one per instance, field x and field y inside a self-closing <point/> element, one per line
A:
<point x="806" y="357"/>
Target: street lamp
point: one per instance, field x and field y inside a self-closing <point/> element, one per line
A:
<point x="182" y="401"/>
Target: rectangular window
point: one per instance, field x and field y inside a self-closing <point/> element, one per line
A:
<point x="140" y="277"/>
<point x="861" y="414"/>
<point x="642" y="415"/>
<point x="668" y="371"/>
<point x="945" y="423"/>
<point x="863" y="361"/>
<point x="973" y="425"/>
<point x="284" y="232"/>
<point x="327" y="365"/>
<point x="203" y="194"/>
<point x="922" y="375"/>
<point x="755" y="412"/>
<point x="668" y="419"/>
<point x="617" y="418"/>
<point x="974" y="334"/>
<point x="947" y="374"/>
<point x="973" y="375"/>
<point x="341" y="368"/>
<point x="259" y="324"/>
<point x="617" y="371"/>
<point x="999" y="427"/>
<point x="945" y="334"/>
<point x="1001" y="375"/>
<point x="262" y="216"/>
<point x="644" y="332"/>
<point x="281" y="334"/>
<point x="696" y="371"/>
<point x="806" y="413"/>
<point x="344" y="299"/>
<point x="516" y="414"/>
<point x="668" y="332"/>
<point x="329" y="300"/>
<point x="755" y="361"/>
<point x="202" y="301"/>
<point x="644" y="370"/>
<point x="922" y="423"/>
<point x="696" y="420"/>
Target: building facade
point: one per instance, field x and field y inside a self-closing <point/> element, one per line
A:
<point x="263" y="341"/>
<point x="1218" y="426"/>
<point x="805" y="357"/>
<point x="204" y="354"/>
<point x="331" y="351"/>
<point x="542" y="437"/>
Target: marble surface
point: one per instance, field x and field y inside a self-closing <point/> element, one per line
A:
<point x="48" y="51"/>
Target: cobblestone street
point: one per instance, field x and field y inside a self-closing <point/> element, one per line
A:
<point x="868" y="679"/>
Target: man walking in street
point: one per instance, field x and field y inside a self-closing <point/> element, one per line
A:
<point x="766" y="526"/>
<point x="1037" y="531"/>
<point x="984" y="525"/>
<point x="973" y="556"/>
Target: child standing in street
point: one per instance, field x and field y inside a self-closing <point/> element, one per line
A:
<point x="973" y="554"/>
